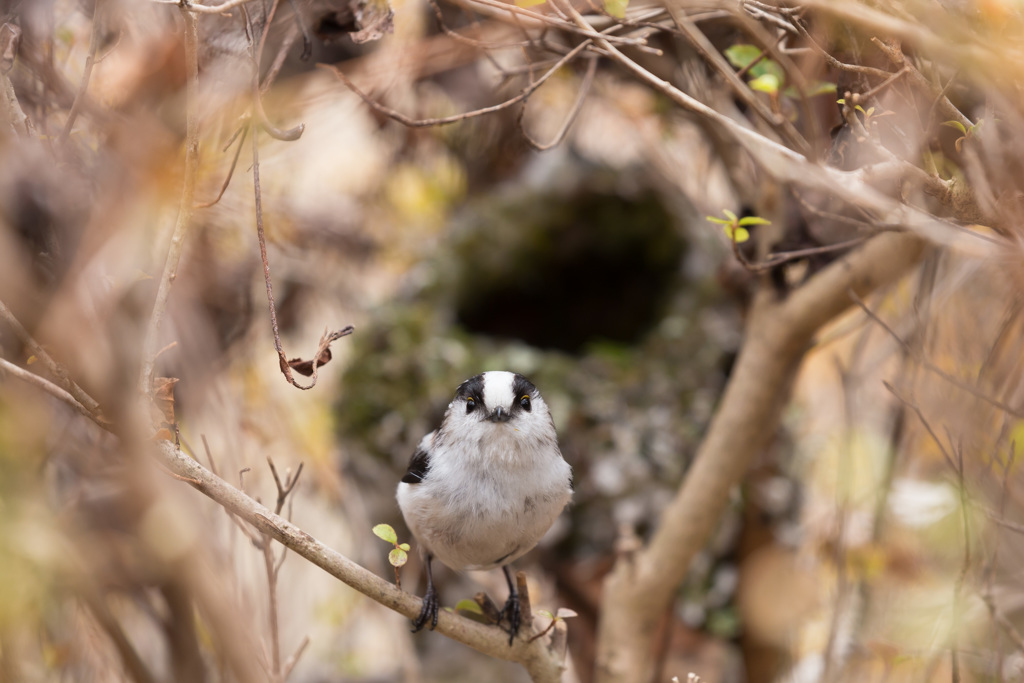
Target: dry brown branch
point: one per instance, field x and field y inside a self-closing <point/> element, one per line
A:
<point x="133" y="663"/>
<point x="542" y="662"/>
<point x="90" y="61"/>
<point x="778" y="334"/>
<point x="240" y="133"/>
<point x="286" y="135"/>
<point x="190" y="6"/>
<point x="787" y="166"/>
<point x="710" y="54"/>
<point x="581" y="96"/>
<point x="931" y="367"/>
<point x="50" y="388"/>
<point x="56" y="369"/>
<point x="924" y="423"/>
<point x="177" y="244"/>
<point x="445" y="120"/>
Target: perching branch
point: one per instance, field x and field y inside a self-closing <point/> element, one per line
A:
<point x="542" y="662"/>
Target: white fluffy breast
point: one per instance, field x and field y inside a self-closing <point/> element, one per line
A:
<point x="492" y="490"/>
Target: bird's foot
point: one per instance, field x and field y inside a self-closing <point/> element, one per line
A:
<point x="428" y="612"/>
<point x="510" y="613"/>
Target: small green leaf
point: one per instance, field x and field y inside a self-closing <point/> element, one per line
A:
<point x="841" y="100"/>
<point x="738" y="235"/>
<point x="753" y="220"/>
<point x="386" y="532"/>
<point x="545" y="613"/>
<point x="820" y="88"/>
<point x="404" y="546"/>
<point x="768" y="83"/>
<point x="720" y="221"/>
<point x="740" y="56"/>
<point x="768" y="66"/>
<point x="398" y="557"/>
<point x="565" y="613"/>
<point x="529" y="3"/>
<point x="956" y="124"/>
<point x="471" y="610"/>
<point x="814" y="89"/>
<point x="616" y="8"/>
<point x="467" y="605"/>
<point x="730" y="215"/>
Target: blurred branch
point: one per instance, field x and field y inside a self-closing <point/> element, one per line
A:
<point x="185" y="206"/>
<point x="422" y="123"/>
<point x="20" y="123"/>
<point x="56" y="369"/>
<point x="273" y="569"/>
<point x="96" y="35"/>
<point x="133" y="664"/>
<point x="787" y="166"/>
<point x="290" y="134"/>
<point x="50" y="388"/>
<point x="711" y="54"/>
<point x="241" y="132"/>
<point x="777" y="335"/>
<point x="581" y="96"/>
<point x="189" y="6"/>
<point x="931" y="367"/>
<point x="542" y="662"/>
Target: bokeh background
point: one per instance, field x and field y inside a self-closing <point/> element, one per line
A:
<point x="874" y="539"/>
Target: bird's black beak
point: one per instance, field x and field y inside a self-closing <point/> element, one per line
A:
<point x="499" y="415"/>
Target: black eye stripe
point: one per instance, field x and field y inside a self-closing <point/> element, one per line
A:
<point x="522" y="387"/>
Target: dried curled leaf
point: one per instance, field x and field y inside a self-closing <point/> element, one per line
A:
<point x="323" y="357"/>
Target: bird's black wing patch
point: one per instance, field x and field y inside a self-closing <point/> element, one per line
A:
<point x="419" y="465"/>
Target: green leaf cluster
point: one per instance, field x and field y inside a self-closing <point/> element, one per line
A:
<point x="766" y="75"/>
<point x="735" y="228"/>
<point x="400" y="555"/>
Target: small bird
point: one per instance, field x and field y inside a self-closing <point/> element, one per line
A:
<point x="482" y="489"/>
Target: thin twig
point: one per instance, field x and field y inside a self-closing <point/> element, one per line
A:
<point x="190" y="6"/>
<point x="581" y="96"/>
<point x="56" y="369"/>
<point x="960" y="384"/>
<point x="964" y="569"/>
<point x="50" y="388"/>
<point x="711" y="55"/>
<point x="98" y="23"/>
<point x="445" y="120"/>
<point x="256" y="53"/>
<point x="924" y="422"/>
<point x="294" y="659"/>
<point x="134" y="665"/>
<point x="177" y="244"/>
<point x="778" y="258"/>
<point x="243" y="130"/>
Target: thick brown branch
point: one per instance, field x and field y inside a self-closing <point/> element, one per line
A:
<point x="778" y="333"/>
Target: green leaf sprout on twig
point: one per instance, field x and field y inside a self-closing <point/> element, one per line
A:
<point x="736" y="228"/>
<point x="399" y="555"/>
